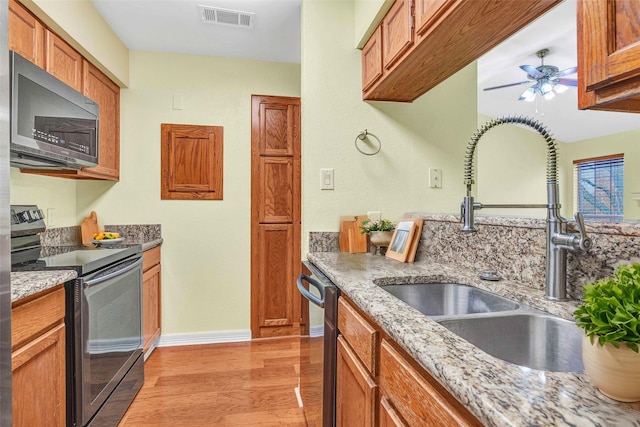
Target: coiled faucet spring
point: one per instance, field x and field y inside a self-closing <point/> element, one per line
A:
<point x="552" y="150"/>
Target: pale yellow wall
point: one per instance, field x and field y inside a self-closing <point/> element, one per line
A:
<point x="511" y="168"/>
<point x="206" y="251"/>
<point x="367" y="15"/>
<point x="431" y="132"/>
<point x="80" y="24"/>
<point x="56" y="193"/>
<point x="627" y="143"/>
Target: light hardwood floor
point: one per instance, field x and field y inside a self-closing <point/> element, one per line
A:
<point x="233" y="384"/>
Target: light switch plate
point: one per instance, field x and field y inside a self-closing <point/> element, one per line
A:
<point x="326" y="179"/>
<point x="435" y="178"/>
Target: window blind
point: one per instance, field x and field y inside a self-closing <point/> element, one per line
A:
<point x="599" y="188"/>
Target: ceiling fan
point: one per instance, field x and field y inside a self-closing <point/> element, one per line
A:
<point x="548" y="79"/>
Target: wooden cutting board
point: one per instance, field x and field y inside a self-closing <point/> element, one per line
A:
<point x="89" y="227"/>
<point x="351" y="240"/>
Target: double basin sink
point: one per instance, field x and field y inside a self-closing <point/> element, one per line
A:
<point x="501" y="327"/>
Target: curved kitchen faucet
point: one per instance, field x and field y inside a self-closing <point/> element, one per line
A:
<point x="558" y="240"/>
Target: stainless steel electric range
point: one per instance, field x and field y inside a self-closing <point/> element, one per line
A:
<point x="103" y="318"/>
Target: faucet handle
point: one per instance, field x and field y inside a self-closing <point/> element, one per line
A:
<point x="584" y="242"/>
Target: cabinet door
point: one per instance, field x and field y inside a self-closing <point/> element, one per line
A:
<point x="415" y="399"/>
<point x="609" y="54"/>
<point x="191" y="158"/>
<point x="389" y="417"/>
<point x="26" y="34"/>
<point x="63" y="61"/>
<point x="427" y="13"/>
<point x="151" y="306"/>
<point x="38" y="378"/>
<point x="397" y="32"/>
<point x="356" y="391"/>
<point x="372" y="60"/>
<point x="106" y="94"/>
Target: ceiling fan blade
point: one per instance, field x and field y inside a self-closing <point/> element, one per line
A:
<point x="507" y="85"/>
<point x="532" y="71"/>
<point x="568" y="82"/>
<point x="567" y="71"/>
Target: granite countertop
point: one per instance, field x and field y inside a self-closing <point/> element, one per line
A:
<point x="497" y="392"/>
<point x="27" y="283"/>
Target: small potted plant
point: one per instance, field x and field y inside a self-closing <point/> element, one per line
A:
<point x="380" y="232"/>
<point x="610" y="317"/>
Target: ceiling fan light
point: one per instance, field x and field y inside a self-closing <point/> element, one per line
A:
<point x="546" y="88"/>
<point x="549" y="95"/>
<point x="528" y="95"/>
<point x="560" y="88"/>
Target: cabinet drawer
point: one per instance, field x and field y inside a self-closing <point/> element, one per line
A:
<point x="151" y="257"/>
<point x="361" y="336"/>
<point x="415" y="399"/>
<point x="36" y="317"/>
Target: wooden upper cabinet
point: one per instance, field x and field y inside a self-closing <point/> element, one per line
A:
<point x="397" y="32"/>
<point x="191" y="159"/>
<point x="106" y="94"/>
<point x="609" y="55"/>
<point x="449" y="35"/>
<point x="427" y="12"/>
<point x="26" y="34"/>
<point x="63" y="61"/>
<point x="372" y="59"/>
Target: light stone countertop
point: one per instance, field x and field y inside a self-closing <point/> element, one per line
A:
<point x="27" y="283"/>
<point x="498" y="393"/>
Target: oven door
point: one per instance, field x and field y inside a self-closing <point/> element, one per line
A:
<point x="108" y="333"/>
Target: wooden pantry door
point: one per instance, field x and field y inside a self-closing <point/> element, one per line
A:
<point x="276" y="308"/>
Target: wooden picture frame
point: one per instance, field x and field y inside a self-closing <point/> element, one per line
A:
<point x="401" y="241"/>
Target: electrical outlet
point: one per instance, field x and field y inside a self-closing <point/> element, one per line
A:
<point x="435" y="178"/>
<point x="374" y="215"/>
<point x="326" y="179"/>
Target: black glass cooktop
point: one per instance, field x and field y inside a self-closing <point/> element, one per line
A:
<point x="82" y="259"/>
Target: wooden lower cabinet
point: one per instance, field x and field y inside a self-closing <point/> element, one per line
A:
<point x="151" y="290"/>
<point x="356" y="391"/>
<point x="389" y="417"/>
<point x="401" y="393"/>
<point x="38" y="361"/>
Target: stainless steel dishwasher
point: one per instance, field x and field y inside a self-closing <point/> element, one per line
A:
<point x="317" y="382"/>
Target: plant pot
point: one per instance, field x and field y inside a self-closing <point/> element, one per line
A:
<point x="380" y="238"/>
<point x="615" y="371"/>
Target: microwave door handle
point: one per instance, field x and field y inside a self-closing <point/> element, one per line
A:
<point x="101" y="279"/>
<point x="308" y="295"/>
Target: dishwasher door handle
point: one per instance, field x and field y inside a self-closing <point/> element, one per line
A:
<point x="308" y="295"/>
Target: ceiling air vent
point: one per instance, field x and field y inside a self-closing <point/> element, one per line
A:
<point x="234" y="18"/>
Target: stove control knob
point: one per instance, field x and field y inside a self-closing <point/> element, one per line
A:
<point x="23" y="216"/>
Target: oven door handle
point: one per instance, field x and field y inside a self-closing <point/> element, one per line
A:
<point x="308" y="295"/>
<point x="98" y="280"/>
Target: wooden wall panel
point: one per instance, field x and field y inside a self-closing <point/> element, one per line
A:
<point x="191" y="158"/>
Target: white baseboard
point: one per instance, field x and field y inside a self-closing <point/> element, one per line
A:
<point x="171" y="340"/>
<point x="316" y="331"/>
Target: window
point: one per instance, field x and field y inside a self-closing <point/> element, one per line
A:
<point x="599" y="185"/>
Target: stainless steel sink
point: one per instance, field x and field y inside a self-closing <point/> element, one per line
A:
<point x="537" y="341"/>
<point x="449" y="299"/>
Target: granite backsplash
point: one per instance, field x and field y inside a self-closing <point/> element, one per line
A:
<point x="137" y="233"/>
<point x="515" y="247"/>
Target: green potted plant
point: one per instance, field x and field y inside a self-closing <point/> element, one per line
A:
<point x="610" y="317"/>
<point x="380" y="232"/>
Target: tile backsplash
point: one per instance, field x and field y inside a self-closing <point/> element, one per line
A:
<point x="515" y="247"/>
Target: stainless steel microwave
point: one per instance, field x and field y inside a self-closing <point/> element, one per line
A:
<point x="53" y="126"/>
